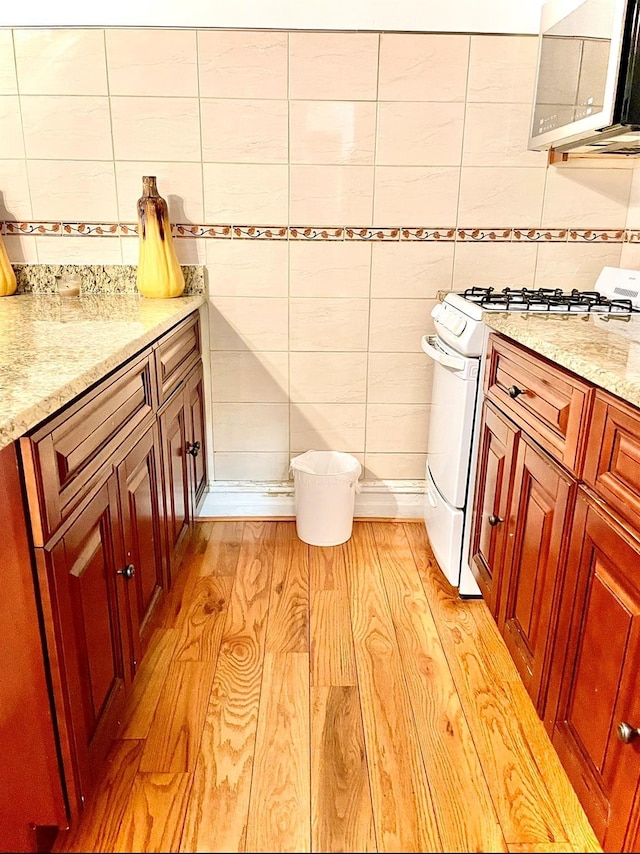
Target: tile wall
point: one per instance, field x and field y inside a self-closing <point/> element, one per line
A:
<point x="331" y="182"/>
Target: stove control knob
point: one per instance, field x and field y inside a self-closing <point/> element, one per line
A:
<point x="459" y="326"/>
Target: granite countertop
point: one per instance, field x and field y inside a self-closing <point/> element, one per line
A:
<point x="604" y="349"/>
<point x="52" y="348"/>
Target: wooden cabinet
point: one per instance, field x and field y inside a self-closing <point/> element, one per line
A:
<point x="543" y="497"/>
<point x="544" y="399"/>
<point x="31" y="787"/>
<point x="183" y="445"/>
<point x="532" y="447"/>
<point x="561" y="573"/>
<point x="81" y="574"/>
<point x="65" y="455"/>
<point x="596" y="671"/>
<point x="498" y="442"/>
<point x="194" y="394"/>
<point x="522" y="505"/>
<point x="173" y="436"/>
<point x="112" y="484"/>
<point x="142" y="517"/>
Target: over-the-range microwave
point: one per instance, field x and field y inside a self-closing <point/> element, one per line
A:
<point x="587" y="95"/>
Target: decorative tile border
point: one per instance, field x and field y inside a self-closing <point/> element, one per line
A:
<point x="374" y="234"/>
<point x="90" y="229"/>
<point x="421" y="233"/>
<point x="540" y="235"/>
<point x="216" y="231"/>
<point x="598" y="235"/>
<point x="43" y="228"/>
<point x="484" y="235"/>
<point x="257" y="232"/>
<point x="308" y="232"/>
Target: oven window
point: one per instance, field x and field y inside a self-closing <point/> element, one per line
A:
<point x="572" y="70"/>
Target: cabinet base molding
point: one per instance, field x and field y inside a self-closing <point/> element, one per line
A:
<point x="389" y="499"/>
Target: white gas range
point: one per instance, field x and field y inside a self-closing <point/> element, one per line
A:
<point x="457" y="350"/>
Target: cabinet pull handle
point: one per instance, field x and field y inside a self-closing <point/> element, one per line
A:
<point x="129" y="571"/>
<point x="513" y="391"/>
<point x="193" y="448"/>
<point x="626" y="733"/>
<point x="495" y="520"/>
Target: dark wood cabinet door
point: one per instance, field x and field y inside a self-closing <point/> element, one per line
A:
<point x="173" y="439"/>
<point x="541" y="507"/>
<point x="493" y="495"/>
<point x="196" y="430"/>
<point x="599" y="668"/>
<point x="31" y="793"/>
<point x="82" y="569"/>
<point x="142" y="518"/>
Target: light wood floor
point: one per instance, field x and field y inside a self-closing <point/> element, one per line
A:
<point x="297" y="698"/>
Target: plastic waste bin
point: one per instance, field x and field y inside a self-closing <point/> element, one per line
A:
<point x="325" y="486"/>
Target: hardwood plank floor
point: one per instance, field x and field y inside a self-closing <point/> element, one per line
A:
<point x="296" y="698"/>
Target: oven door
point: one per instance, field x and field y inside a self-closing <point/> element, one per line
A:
<point x="444" y="525"/>
<point x="452" y="412"/>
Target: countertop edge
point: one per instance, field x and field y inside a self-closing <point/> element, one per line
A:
<point x="13" y="428"/>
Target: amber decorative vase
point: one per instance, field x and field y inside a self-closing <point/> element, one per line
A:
<point x="7" y="274"/>
<point x="159" y="273"/>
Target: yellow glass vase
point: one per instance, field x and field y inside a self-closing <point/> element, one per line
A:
<point x="159" y="273"/>
<point x="7" y="275"/>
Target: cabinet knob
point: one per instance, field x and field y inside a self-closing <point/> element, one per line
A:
<point x="626" y="733"/>
<point x="495" y="520"/>
<point x="129" y="571"/>
<point x="193" y="448"/>
<point x="513" y="391"/>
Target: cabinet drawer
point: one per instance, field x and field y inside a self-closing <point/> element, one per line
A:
<point x="176" y="354"/>
<point x="612" y="466"/>
<point x="62" y="456"/>
<point x="551" y="403"/>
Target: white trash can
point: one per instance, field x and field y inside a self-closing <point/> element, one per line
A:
<point x="325" y="486"/>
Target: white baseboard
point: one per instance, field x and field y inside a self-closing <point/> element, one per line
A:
<point x="387" y="499"/>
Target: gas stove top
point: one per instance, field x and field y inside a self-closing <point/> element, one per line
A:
<point x="458" y="317"/>
<point x="546" y="299"/>
<point x="616" y="291"/>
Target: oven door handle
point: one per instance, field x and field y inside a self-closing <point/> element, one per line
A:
<point x="448" y="361"/>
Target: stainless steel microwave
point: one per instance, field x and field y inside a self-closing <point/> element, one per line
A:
<point x="587" y="95"/>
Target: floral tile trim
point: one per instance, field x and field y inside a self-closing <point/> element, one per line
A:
<point x="95" y="278"/>
<point x="256" y="232"/>
<point x="486" y="235"/>
<point x="308" y="232"/>
<point x="223" y="231"/>
<point x="32" y="228"/>
<point x="374" y="234"/>
<point x="444" y="234"/>
<point x="540" y="235"/>
<point x="91" y="229"/>
<point x="218" y="232"/>
<point x="592" y="235"/>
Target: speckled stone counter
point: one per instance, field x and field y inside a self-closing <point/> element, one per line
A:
<point x="53" y="348"/>
<point x="603" y="349"/>
<point x="95" y="278"/>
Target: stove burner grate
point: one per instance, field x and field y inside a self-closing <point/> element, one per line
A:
<point x="545" y="299"/>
